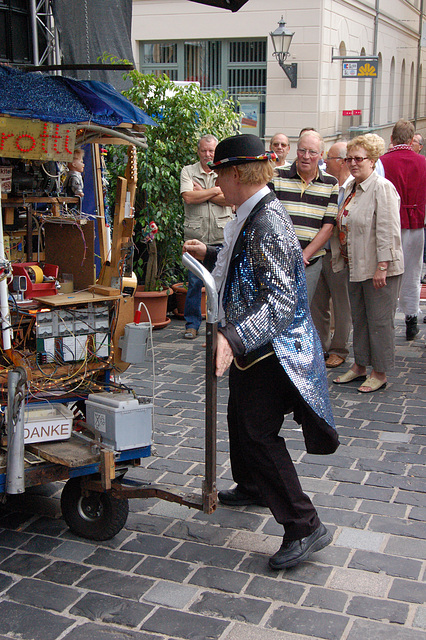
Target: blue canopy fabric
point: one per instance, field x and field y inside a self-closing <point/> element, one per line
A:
<point x="61" y="99"/>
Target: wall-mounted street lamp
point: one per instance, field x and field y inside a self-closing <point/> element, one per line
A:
<point x="281" y="40"/>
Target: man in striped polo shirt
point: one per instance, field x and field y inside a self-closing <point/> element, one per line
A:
<point x="310" y="198"/>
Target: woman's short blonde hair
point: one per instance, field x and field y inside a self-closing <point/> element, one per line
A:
<point x="369" y="143"/>
<point x="381" y="144"/>
<point x="253" y="172"/>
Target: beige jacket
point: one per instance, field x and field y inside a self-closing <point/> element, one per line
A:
<point x="373" y="230"/>
<point x="205" y="221"/>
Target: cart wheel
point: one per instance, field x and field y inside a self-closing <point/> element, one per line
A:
<point x="97" y="516"/>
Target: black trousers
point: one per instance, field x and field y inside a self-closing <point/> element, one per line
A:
<point x="259" y="399"/>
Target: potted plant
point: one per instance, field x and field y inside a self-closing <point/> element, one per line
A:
<point x="182" y="114"/>
<point x="152" y="294"/>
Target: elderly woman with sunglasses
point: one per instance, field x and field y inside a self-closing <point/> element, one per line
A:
<point x="370" y="244"/>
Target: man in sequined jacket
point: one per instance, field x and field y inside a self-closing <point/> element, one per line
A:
<point x="268" y="339"/>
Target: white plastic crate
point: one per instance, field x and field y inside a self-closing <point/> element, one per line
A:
<point x="44" y="423"/>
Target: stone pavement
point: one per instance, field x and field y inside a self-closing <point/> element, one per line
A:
<point x="175" y="573"/>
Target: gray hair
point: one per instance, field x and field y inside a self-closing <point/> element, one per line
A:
<point x="208" y="138"/>
<point x="421" y="139"/>
<point x="343" y="147"/>
<point x="315" y="134"/>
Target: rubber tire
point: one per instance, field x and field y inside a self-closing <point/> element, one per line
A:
<point x="96" y="517"/>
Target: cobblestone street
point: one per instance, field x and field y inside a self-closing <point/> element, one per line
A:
<point x="175" y="573"/>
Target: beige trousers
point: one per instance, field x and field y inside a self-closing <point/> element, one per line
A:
<point x="373" y="317"/>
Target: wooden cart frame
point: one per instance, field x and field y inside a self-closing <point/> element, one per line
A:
<point x="95" y="498"/>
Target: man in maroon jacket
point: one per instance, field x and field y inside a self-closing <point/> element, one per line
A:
<point x="407" y="171"/>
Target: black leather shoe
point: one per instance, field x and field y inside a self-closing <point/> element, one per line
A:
<point x="238" y="498"/>
<point x="295" y="551"/>
<point x="411" y="328"/>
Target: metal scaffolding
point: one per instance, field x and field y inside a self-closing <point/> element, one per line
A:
<point x="43" y="23"/>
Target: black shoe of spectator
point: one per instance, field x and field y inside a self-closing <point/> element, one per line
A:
<point x="411" y="327"/>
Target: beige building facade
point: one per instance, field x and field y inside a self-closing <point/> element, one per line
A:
<point x="233" y="51"/>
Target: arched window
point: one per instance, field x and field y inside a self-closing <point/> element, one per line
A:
<point x="342" y="91"/>
<point x="379" y="118"/>
<point x="411" y="94"/>
<point x="391" y="90"/>
<point x="362" y="93"/>
<point x="402" y="92"/>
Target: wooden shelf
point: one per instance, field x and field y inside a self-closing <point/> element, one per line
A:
<point x="22" y="200"/>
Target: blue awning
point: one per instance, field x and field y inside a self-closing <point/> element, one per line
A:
<point x="60" y="99"/>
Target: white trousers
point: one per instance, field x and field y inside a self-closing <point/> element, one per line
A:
<point x="409" y="295"/>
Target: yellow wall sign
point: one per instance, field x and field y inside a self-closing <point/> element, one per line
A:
<point x="360" y="69"/>
<point x="36" y="140"/>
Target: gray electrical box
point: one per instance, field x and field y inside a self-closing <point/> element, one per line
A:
<point x="133" y="343"/>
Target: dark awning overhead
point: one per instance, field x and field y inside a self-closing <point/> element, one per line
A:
<point x="60" y="99"/>
<point x="232" y="5"/>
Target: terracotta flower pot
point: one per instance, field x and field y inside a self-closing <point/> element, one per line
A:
<point x="156" y="303"/>
<point x="180" y="291"/>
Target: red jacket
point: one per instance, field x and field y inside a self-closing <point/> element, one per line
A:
<point x="407" y="171"/>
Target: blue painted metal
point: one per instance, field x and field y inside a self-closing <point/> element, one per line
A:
<point x="90" y="469"/>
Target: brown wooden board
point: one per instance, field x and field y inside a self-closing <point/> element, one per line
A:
<point x="78" y="297"/>
<point x="103" y="290"/>
<point x="99" y="197"/>
<point x="113" y="270"/>
<point x="15" y="201"/>
<point x="66" y="247"/>
<point x="70" y="453"/>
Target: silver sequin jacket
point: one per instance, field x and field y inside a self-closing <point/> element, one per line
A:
<point x="265" y="299"/>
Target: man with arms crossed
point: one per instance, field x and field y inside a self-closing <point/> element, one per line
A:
<point x="206" y="215"/>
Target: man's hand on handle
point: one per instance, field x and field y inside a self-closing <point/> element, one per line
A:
<point x="196" y="248"/>
<point x="224" y="354"/>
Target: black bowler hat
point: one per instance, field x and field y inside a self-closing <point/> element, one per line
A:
<point x="240" y="150"/>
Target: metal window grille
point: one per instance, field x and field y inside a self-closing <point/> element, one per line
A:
<point x="202" y="63"/>
<point x="159" y="58"/>
<point x="235" y="66"/>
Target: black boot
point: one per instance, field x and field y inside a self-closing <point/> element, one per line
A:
<point x="411" y="327"/>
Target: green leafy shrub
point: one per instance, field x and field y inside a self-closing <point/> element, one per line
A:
<point x="183" y="114"/>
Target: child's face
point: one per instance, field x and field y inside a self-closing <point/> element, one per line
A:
<point x="78" y="164"/>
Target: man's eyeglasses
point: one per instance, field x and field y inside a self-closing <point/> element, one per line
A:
<point x="335" y="158"/>
<point x="357" y="159"/>
<point x="310" y="152"/>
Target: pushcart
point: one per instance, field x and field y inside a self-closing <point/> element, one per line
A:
<point x="95" y="497"/>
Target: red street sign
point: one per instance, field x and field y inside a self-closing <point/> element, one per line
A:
<point x="347" y="113"/>
<point x="357" y="112"/>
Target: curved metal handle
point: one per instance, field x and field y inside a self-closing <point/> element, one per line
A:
<point x="212" y="298"/>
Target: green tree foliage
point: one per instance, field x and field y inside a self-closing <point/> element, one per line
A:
<point x="183" y="114"/>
